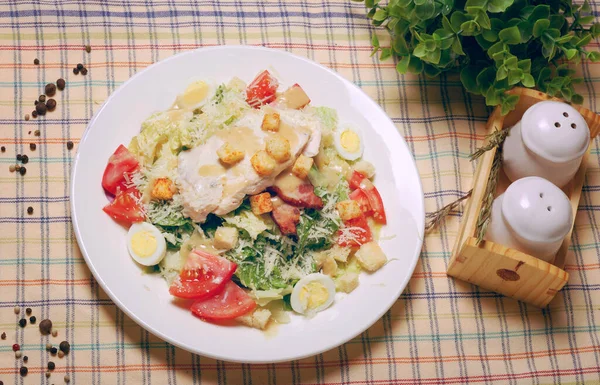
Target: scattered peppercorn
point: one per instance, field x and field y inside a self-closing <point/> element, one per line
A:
<point x="48" y="345"/>
<point x="88" y="48"/>
<point x="17" y="167"/>
<point x="1" y="383"/>
<point x="26" y="116"/>
<point x="84" y="71"/>
<point x="23" y="371"/>
<point x="32" y="146"/>
<point x="50" y="89"/>
<point x="51" y="104"/>
<point x="54" y="332"/>
<point x="3" y="336"/>
<point x="48" y="374"/>
<point x="53" y="351"/>
<point x="60" y="84"/>
<point x="65" y="347"/>
<point x="19" y="157"/>
<point x="29" y="133"/>
<point x="28" y="311"/>
<point x="75" y="71"/>
<point x="42" y="98"/>
<point x="60" y="354"/>
<point x="32" y="319"/>
<point x="45" y="328"/>
<point x="22" y="321"/>
<point x="25" y="159"/>
<point x="30" y="211"/>
<point x="69" y="145"/>
<point x="18" y="354"/>
<point x="16" y="347"/>
<point x="37" y="133"/>
<point x="34" y="113"/>
<point x="41" y="109"/>
<point x="25" y="358"/>
<point x="51" y="365"/>
<point x="35" y="102"/>
<point x="36" y="61"/>
<point x="3" y="149"/>
<point x="79" y="66"/>
<point x="67" y="378"/>
<point x="22" y="170"/>
<point x="12" y="168"/>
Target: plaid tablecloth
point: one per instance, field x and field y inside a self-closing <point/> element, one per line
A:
<point x="439" y="331"/>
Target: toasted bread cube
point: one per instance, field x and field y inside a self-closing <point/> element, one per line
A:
<point x="347" y="282"/>
<point x="263" y="164"/>
<point x="340" y="253"/>
<point x="371" y="257"/>
<point x="261" y="203"/>
<point x="229" y="154"/>
<point x="271" y="122"/>
<point x="163" y="189"/>
<point x="302" y="166"/>
<point x="329" y="266"/>
<point x="226" y="238"/>
<point x="279" y="148"/>
<point x="348" y="209"/>
<point x="365" y="168"/>
<point x="258" y="319"/>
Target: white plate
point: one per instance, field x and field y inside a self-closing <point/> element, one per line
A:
<point x="145" y="298"/>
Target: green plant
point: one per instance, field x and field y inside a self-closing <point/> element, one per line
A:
<point x="494" y="44"/>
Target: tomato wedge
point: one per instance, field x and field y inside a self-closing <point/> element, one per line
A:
<point x="375" y="201"/>
<point x="262" y="89"/>
<point x="119" y="163"/>
<point x="357" y="233"/>
<point x="360" y="197"/>
<point x="203" y="276"/>
<point x="355" y="180"/>
<point x="230" y="303"/>
<point x="125" y="207"/>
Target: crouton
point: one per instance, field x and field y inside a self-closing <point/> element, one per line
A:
<point x="258" y="319"/>
<point x="302" y="166"/>
<point x="261" y="203"/>
<point x="365" y="168"/>
<point x="229" y="154"/>
<point x="348" y="209"/>
<point x="339" y="253"/>
<point x="271" y="122"/>
<point x="371" y="257"/>
<point x="263" y="164"/>
<point x="225" y="238"/>
<point x="163" y="189"/>
<point x="347" y="282"/>
<point x="279" y="148"/>
<point x="329" y="266"/>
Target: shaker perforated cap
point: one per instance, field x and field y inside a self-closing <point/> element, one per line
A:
<point x="537" y="210"/>
<point x="555" y="131"/>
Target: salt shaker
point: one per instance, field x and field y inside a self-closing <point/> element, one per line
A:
<point x="532" y="216"/>
<point x="549" y="141"/>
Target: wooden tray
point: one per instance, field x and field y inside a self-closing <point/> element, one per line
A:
<point x="499" y="268"/>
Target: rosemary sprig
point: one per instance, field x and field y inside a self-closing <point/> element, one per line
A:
<point x="494" y="140"/>
<point x="485" y="213"/>
<point x="436" y="217"/>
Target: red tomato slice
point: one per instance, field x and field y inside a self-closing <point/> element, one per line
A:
<point x="360" y="197"/>
<point x="360" y="232"/>
<point x="230" y="303"/>
<point x="125" y="207"/>
<point x="203" y="276"/>
<point x="262" y="90"/>
<point x="119" y="163"/>
<point x="355" y="180"/>
<point x="375" y="200"/>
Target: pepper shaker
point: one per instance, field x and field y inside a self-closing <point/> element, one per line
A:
<point x="549" y="141"/>
<point x="532" y="216"/>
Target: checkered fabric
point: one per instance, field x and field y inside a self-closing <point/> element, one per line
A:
<point x="440" y="331"/>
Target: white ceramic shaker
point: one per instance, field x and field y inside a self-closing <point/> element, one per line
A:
<point x="532" y="216"/>
<point x="549" y="141"/>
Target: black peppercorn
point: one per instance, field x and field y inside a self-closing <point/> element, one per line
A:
<point x="36" y="61"/>
<point x="23" y="170"/>
<point x="25" y="159"/>
<point x="22" y="322"/>
<point x="60" y="84"/>
<point x="30" y="211"/>
<point x="75" y="71"/>
<point x="3" y="149"/>
<point x="53" y="351"/>
<point x="42" y="98"/>
<point x="32" y="146"/>
<point x="45" y="327"/>
<point x="32" y="319"/>
<point x="25" y="358"/>
<point x="3" y="336"/>
<point x="28" y="311"/>
<point x="19" y="157"/>
<point x="34" y="113"/>
<point x="51" y="104"/>
<point x="69" y="145"/>
<point x="50" y="89"/>
<point x="65" y="347"/>
<point x="79" y="66"/>
<point x="51" y="365"/>
<point x="84" y="71"/>
<point x="41" y="108"/>
<point x="23" y="371"/>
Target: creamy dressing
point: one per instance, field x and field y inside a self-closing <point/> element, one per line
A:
<point x="287" y="181"/>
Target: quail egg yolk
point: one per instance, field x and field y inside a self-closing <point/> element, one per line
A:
<point x="194" y="94"/>
<point x="143" y="244"/>
<point x="314" y="294"/>
<point x="350" y="141"/>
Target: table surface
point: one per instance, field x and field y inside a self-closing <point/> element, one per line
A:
<point x="439" y="331"/>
